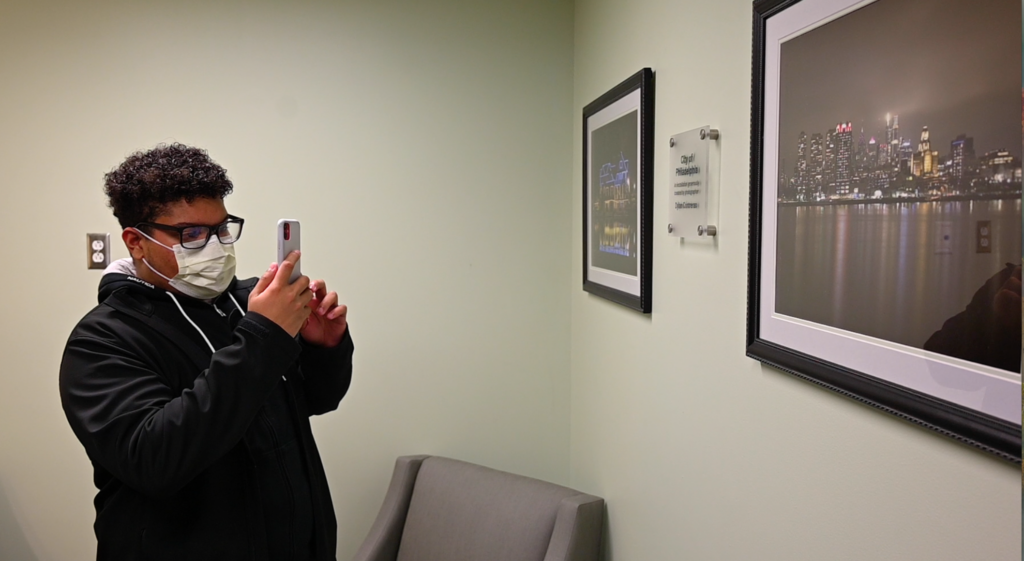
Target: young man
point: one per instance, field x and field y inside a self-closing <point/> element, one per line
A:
<point x="191" y="390"/>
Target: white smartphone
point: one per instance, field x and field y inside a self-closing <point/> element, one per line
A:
<point x="288" y="241"/>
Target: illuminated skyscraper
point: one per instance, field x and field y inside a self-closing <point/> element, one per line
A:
<point x="861" y="146"/>
<point x="782" y="176"/>
<point x="905" y="157"/>
<point x="884" y="145"/>
<point x="828" y="175"/>
<point x="800" y="174"/>
<point x="961" y="155"/>
<point x="844" y="159"/>
<point x="816" y="162"/>
<point x="925" y="160"/>
<point x="892" y="136"/>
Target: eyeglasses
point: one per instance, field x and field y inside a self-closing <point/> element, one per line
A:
<point x="196" y="237"/>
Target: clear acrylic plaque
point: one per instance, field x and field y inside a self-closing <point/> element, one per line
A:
<point x="691" y="184"/>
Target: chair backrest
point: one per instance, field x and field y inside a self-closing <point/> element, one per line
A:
<point x="465" y="512"/>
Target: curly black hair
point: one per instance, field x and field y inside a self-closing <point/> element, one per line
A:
<point x="147" y="182"/>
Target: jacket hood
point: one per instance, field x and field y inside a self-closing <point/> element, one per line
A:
<point x="121" y="274"/>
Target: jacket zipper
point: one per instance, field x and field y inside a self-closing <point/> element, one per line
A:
<point x="264" y="418"/>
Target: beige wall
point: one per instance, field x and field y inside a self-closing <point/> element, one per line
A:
<point x="701" y="452"/>
<point x="425" y="147"/>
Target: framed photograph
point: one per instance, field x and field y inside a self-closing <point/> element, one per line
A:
<point x="885" y="207"/>
<point x="618" y="188"/>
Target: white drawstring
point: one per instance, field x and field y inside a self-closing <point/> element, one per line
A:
<point x="232" y="297"/>
<point x="212" y="350"/>
<point x="236" y="303"/>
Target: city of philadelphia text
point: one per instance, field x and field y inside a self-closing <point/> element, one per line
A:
<point x="687" y="167"/>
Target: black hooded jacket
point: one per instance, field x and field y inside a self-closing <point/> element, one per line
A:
<point x="200" y="454"/>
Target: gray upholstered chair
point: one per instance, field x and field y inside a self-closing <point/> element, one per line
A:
<point x="438" y="509"/>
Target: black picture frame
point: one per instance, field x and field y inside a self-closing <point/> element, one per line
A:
<point x="973" y="425"/>
<point x="618" y="162"/>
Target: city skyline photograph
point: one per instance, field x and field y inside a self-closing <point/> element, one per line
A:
<point x="908" y="238"/>
<point x="941" y="65"/>
<point x="614" y="195"/>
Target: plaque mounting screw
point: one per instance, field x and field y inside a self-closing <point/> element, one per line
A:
<point x="709" y="230"/>
<point x="671" y="142"/>
<point x="709" y="133"/>
<point x="670" y="228"/>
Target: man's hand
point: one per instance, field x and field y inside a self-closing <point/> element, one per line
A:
<point x="328" y="321"/>
<point x="282" y="303"/>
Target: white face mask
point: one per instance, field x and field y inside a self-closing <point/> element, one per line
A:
<point x="202" y="273"/>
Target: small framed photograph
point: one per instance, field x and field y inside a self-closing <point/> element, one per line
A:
<point x="618" y="187"/>
<point x="885" y="207"/>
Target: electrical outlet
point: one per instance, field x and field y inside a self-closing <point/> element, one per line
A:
<point x="98" y="250"/>
<point x="984" y="237"/>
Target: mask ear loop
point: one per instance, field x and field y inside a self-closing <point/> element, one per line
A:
<point x="148" y="237"/>
<point x="151" y="268"/>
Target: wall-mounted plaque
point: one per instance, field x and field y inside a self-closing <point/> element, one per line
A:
<point x="692" y="179"/>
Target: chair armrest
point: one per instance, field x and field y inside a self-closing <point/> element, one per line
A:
<point x="381" y="543"/>
<point x="577" y="533"/>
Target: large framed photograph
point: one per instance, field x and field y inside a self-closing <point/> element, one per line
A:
<point x="885" y="208"/>
<point x="618" y="188"/>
